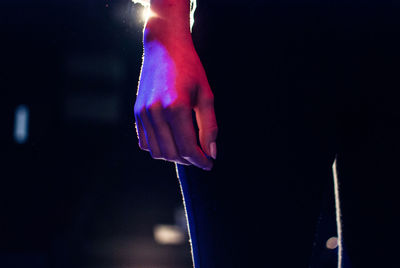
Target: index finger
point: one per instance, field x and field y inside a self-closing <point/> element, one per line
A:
<point x="181" y="124"/>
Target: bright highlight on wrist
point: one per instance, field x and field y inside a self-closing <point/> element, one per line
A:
<point x="148" y="13"/>
<point x="142" y="2"/>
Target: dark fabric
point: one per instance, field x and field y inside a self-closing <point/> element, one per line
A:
<point x="294" y="86"/>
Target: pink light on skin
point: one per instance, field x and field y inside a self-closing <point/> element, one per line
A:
<point x="160" y="65"/>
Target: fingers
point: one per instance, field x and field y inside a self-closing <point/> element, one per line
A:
<point x="141" y="134"/>
<point x="162" y="132"/>
<point x="150" y="135"/>
<point x="169" y="134"/>
<point x="181" y="124"/>
<point x="206" y="121"/>
<point x="155" y="135"/>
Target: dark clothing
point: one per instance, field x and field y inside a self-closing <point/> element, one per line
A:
<point x="294" y="86"/>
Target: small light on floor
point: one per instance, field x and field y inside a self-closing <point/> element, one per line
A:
<point x="21" y="124"/>
<point x="332" y="243"/>
<point x="168" y="234"/>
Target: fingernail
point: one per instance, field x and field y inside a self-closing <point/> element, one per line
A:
<point x="213" y="150"/>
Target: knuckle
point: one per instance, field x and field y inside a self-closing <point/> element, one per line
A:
<point x="153" y="109"/>
<point x="176" y="108"/>
<point x="209" y="97"/>
<point x="136" y="107"/>
<point x="139" y="112"/>
<point x="209" y="102"/>
<point x="136" y="104"/>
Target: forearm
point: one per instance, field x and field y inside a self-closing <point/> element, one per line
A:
<point x="170" y="21"/>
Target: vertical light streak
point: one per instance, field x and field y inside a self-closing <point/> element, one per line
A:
<point x="338" y="213"/>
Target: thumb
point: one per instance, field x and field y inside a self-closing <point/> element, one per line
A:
<point x="206" y="121"/>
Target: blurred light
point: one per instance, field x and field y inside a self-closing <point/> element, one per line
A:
<point x="142" y="2"/>
<point x="148" y="13"/>
<point x="332" y="243"/>
<point x="21" y="124"/>
<point x="338" y="213"/>
<point x="168" y="234"/>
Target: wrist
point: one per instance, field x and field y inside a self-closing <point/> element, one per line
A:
<point x="167" y="32"/>
<point x="169" y="20"/>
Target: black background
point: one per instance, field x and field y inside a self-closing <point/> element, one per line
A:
<point x="79" y="192"/>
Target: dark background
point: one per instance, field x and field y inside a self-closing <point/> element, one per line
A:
<point x="79" y="192"/>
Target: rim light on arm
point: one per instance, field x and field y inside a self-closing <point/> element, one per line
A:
<point x="147" y="13"/>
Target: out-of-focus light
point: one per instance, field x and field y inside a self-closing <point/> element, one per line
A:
<point x="21" y="124"/>
<point x="148" y="13"/>
<point x="168" y="234"/>
<point x="332" y="243"/>
<point x="142" y="2"/>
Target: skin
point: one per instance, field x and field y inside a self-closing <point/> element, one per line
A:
<point x="172" y="85"/>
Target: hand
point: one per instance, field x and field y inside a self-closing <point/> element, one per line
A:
<point x="172" y="84"/>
